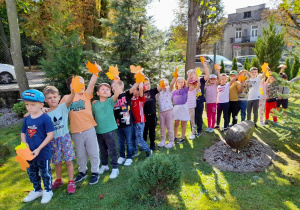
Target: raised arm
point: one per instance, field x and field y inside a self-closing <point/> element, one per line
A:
<point x="172" y="83"/>
<point x="141" y="89"/>
<point x="235" y="77"/>
<point x="206" y="71"/>
<point x="198" y="84"/>
<point x="219" y="77"/>
<point x="117" y="92"/>
<point x="90" y="88"/>
<point x="70" y="98"/>
<point x="263" y="74"/>
<point x="133" y="88"/>
<point x="188" y="79"/>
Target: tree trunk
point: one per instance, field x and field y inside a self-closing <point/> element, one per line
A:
<point x="193" y="14"/>
<point x="15" y="45"/>
<point x="3" y="38"/>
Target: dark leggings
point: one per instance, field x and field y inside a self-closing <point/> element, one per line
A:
<point x="233" y="111"/>
<point x="223" y="107"/>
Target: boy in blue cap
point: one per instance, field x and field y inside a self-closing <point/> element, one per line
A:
<point x="37" y="132"/>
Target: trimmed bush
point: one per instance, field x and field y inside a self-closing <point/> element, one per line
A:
<point x="156" y="177"/>
<point x="234" y="64"/>
<point x="20" y="108"/>
<point x="222" y="70"/>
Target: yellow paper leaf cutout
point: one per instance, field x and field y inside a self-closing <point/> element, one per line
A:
<point x="139" y="77"/>
<point x="162" y="84"/>
<point x="21" y="146"/>
<point x="76" y="85"/>
<point x="217" y="66"/>
<point x="112" y="72"/>
<point x="135" y="69"/>
<point x="92" y="68"/>
<point x="199" y="72"/>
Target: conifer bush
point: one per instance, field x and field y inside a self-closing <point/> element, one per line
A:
<point x="20" y="109"/>
<point x="234" y="64"/>
<point x="222" y="70"/>
<point x="156" y="177"/>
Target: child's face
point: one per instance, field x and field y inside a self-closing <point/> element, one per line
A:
<point x="223" y="80"/>
<point x="104" y="91"/>
<point x="272" y="79"/>
<point x="147" y="85"/>
<point x="212" y="81"/>
<point x="194" y="76"/>
<point x="231" y="76"/>
<point x="52" y="99"/>
<point x="136" y="93"/>
<point x="113" y="87"/>
<point x="34" y="107"/>
<point x="191" y="87"/>
<point x="254" y="73"/>
<point x="180" y="83"/>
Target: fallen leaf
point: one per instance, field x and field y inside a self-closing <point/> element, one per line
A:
<point x="100" y="197"/>
<point x="175" y="74"/>
<point x="202" y="59"/>
<point x="217" y="66"/>
<point x="76" y="85"/>
<point x="23" y="163"/>
<point x="199" y="72"/>
<point x="135" y="69"/>
<point x="139" y="77"/>
<point x="25" y="154"/>
<point x="162" y="84"/>
<point x="112" y="72"/>
<point x="92" y="68"/>
<point x="21" y="146"/>
<point x="27" y="191"/>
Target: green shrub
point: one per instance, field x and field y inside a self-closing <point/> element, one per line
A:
<point x="222" y="70"/>
<point x="20" y="108"/>
<point x="156" y="177"/>
<point x="234" y="64"/>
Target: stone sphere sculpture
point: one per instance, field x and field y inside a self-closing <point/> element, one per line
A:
<point x="238" y="136"/>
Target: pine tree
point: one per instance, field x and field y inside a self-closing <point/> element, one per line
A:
<point x="247" y="64"/>
<point x="295" y="68"/>
<point x="222" y="70"/>
<point x="234" y="64"/>
<point x="287" y="70"/>
<point x="269" y="47"/>
<point x="255" y="63"/>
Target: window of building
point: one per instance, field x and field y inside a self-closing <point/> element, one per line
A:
<point x="247" y="14"/>
<point x="254" y="30"/>
<point x="238" y="33"/>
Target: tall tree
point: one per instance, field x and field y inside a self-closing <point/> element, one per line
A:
<point x="247" y="64"/>
<point x="15" y="45"/>
<point x="234" y="64"/>
<point x="295" y="68"/>
<point x="287" y="70"/>
<point x="269" y="47"/>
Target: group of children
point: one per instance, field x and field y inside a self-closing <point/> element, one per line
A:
<point x="132" y="114"/>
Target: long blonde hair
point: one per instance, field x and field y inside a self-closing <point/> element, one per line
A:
<point x="175" y="85"/>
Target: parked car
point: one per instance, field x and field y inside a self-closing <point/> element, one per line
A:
<point x="7" y="73"/>
<point x="219" y="58"/>
<point x="241" y="59"/>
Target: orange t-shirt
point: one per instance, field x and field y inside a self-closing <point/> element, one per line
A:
<point x="80" y="114"/>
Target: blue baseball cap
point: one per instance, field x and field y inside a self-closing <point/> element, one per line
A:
<point x="33" y="95"/>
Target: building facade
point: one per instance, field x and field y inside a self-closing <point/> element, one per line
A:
<point x="242" y="30"/>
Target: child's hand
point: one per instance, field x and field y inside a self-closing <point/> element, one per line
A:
<point x="94" y="101"/>
<point x="98" y="67"/>
<point x="204" y="64"/>
<point x="45" y="109"/>
<point x="36" y="152"/>
<point x="117" y="78"/>
<point x="26" y="115"/>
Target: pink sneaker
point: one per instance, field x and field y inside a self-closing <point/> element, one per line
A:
<point x="170" y="145"/>
<point x="71" y="187"/>
<point x="56" y="184"/>
<point x="162" y="144"/>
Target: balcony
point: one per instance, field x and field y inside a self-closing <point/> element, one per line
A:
<point x="244" y="39"/>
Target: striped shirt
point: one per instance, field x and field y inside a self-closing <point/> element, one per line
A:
<point x="191" y="99"/>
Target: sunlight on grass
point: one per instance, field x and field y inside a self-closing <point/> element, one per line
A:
<point x="290" y="205"/>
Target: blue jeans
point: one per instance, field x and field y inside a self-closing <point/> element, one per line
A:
<point x="125" y="134"/>
<point x="243" y="108"/>
<point x="138" y="139"/>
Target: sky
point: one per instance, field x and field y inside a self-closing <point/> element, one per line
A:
<point x="162" y="10"/>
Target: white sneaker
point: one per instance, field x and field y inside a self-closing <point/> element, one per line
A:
<point x="207" y="130"/>
<point x="121" y="160"/>
<point x="32" y="196"/>
<point x="46" y="197"/>
<point x="262" y="124"/>
<point x="128" y="162"/>
<point x="114" y="173"/>
<point x="211" y="130"/>
<point x="192" y="136"/>
<point x="103" y="169"/>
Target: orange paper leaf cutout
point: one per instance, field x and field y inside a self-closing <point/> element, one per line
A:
<point x="264" y="67"/>
<point x="175" y="74"/>
<point x="202" y="59"/>
<point x="76" y="85"/>
<point x="92" y="68"/>
<point x="135" y="69"/>
<point x="139" y="77"/>
<point x="23" y="163"/>
<point x="217" y="66"/>
<point x="162" y="84"/>
<point x="242" y="78"/>
<point x="112" y="72"/>
<point x="25" y="154"/>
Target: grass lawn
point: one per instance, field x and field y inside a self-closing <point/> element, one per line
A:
<point x="203" y="186"/>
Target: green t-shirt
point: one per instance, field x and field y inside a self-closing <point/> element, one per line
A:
<point x="104" y="116"/>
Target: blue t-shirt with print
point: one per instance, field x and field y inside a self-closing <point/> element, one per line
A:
<point x="36" y="131"/>
<point x="59" y="117"/>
